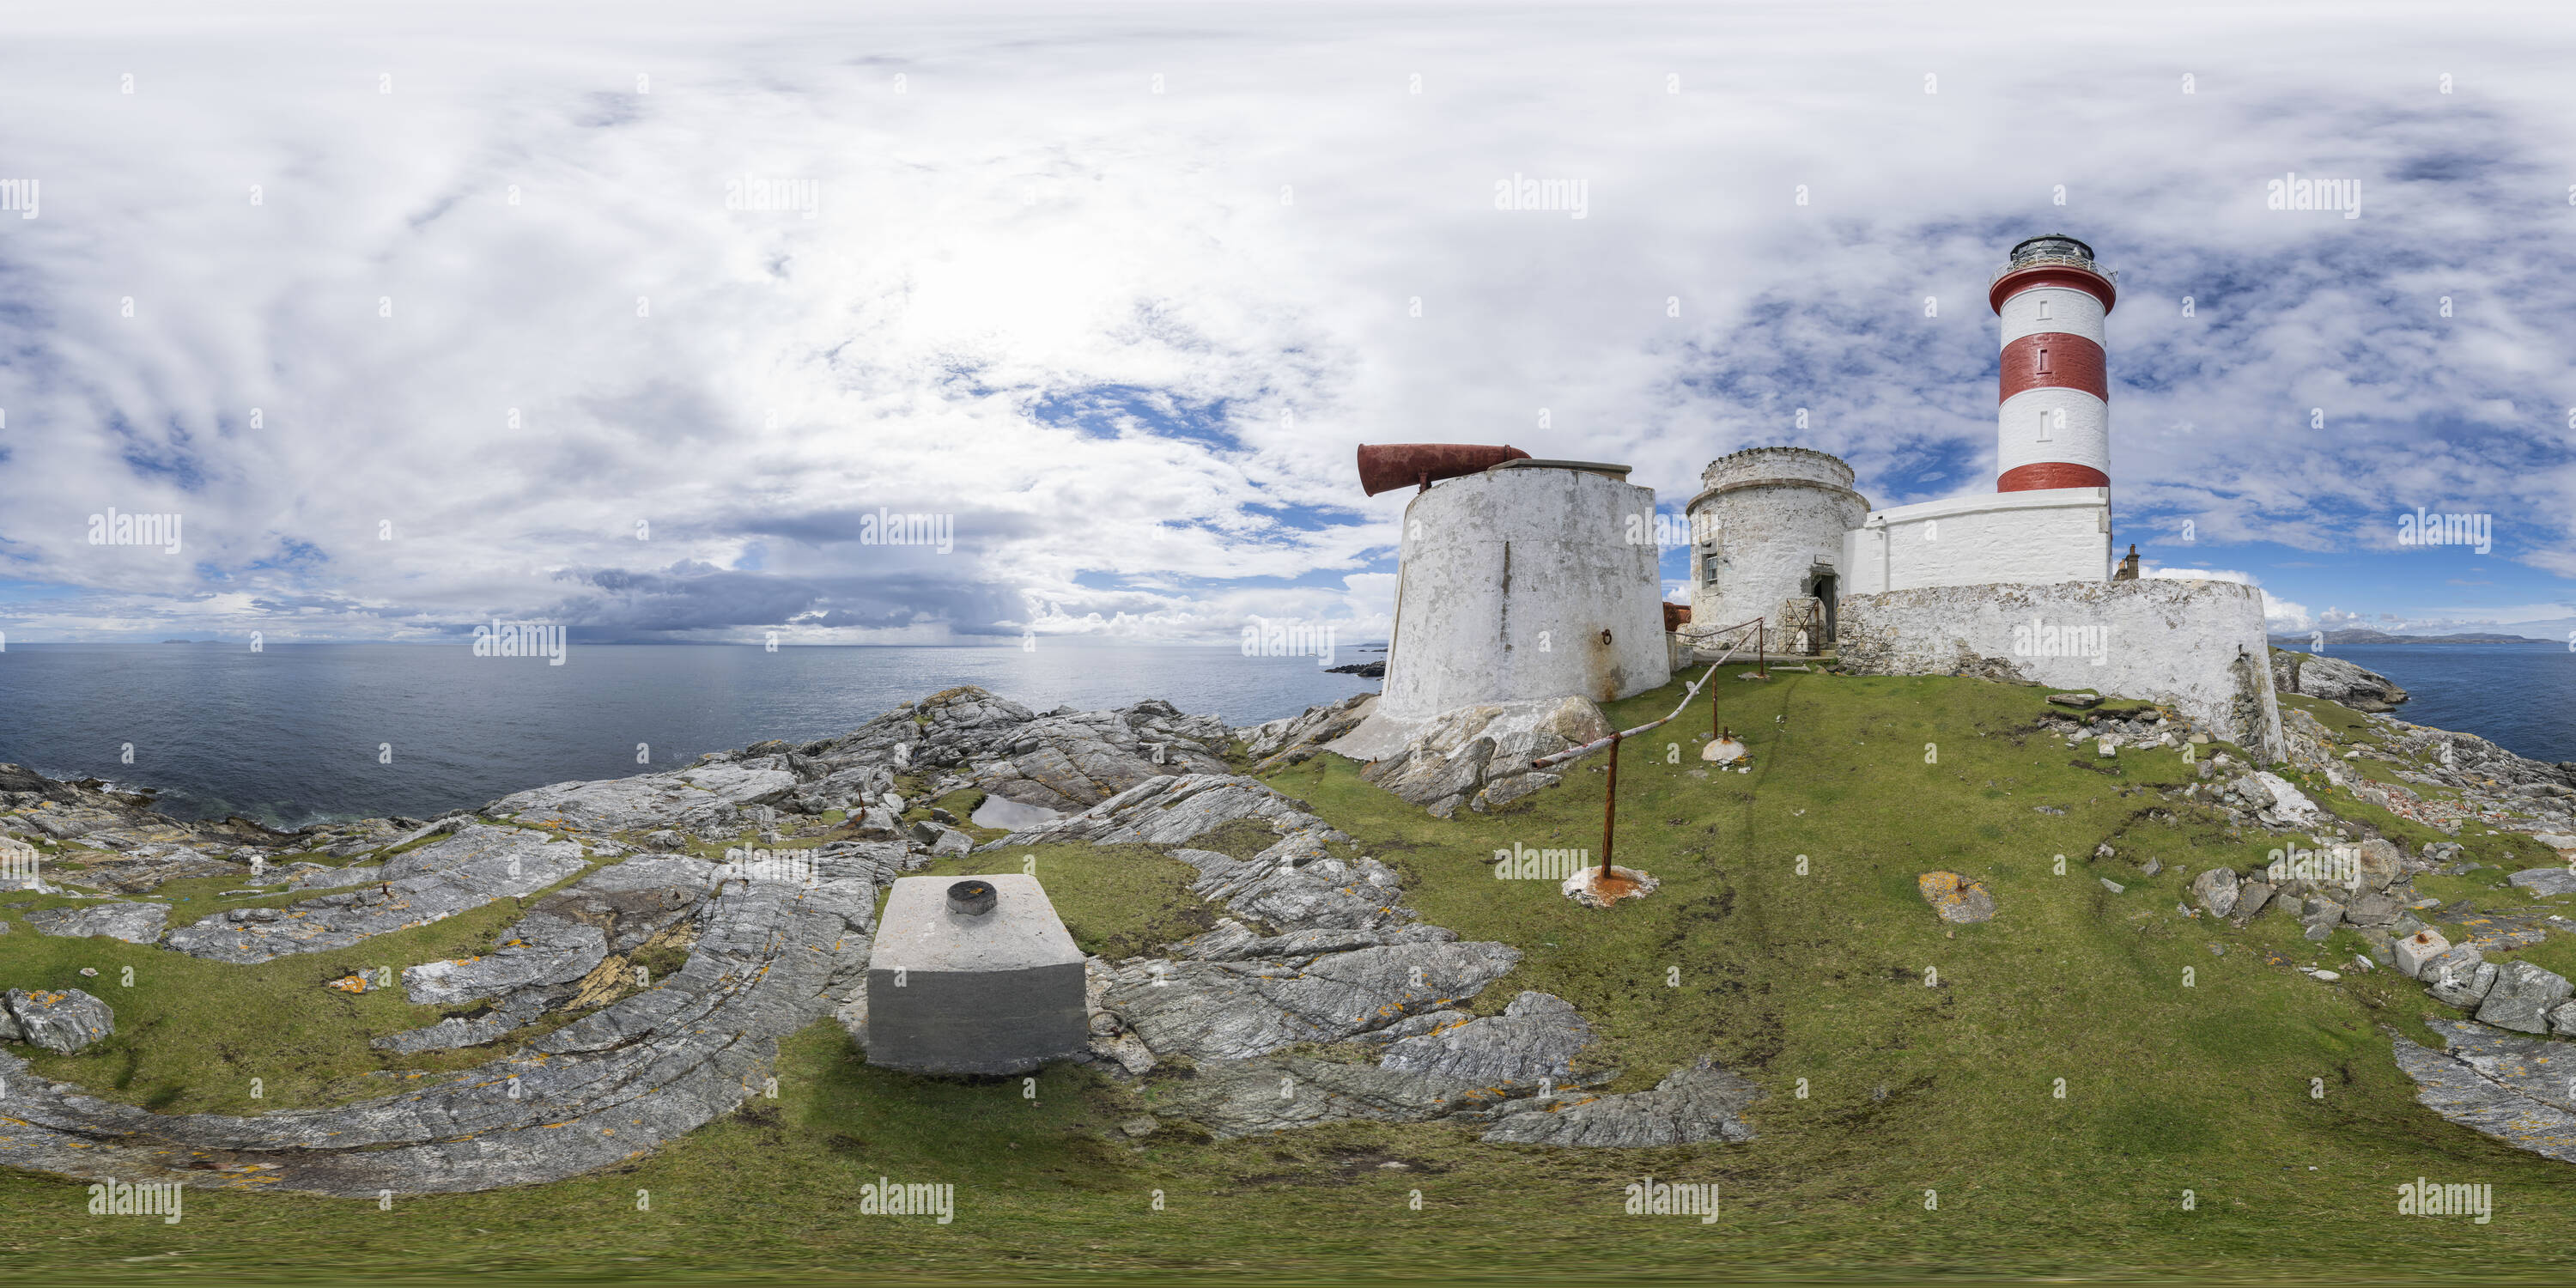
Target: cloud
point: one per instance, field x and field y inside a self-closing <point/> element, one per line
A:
<point x="1116" y="297"/>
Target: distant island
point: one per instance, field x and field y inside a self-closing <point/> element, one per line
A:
<point x="2383" y="637"/>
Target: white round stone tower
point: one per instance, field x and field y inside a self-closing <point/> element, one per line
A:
<point x="1532" y="579"/>
<point x="1768" y="526"/>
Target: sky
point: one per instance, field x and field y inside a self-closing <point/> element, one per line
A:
<point x="654" y="321"/>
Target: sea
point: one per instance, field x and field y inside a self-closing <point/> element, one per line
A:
<point x="303" y="733"/>
<point x="2521" y="697"/>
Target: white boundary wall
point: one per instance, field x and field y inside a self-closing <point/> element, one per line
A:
<point x="2196" y="646"/>
<point x="2025" y="538"/>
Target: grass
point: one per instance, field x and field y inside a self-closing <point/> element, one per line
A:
<point x="1813" y="981"/>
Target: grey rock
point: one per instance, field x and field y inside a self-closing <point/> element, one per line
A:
<point x="1296" y="884"/>
<point x="446" y="1035"/>
<point x="1235" y="1098"/>
<point x="2460" y="977"/>
<point x="2114" y="886"/>
<point x="1699" y="1103"/>
<point x="135" y="923"/>
<point x="686" y="799"/>
<point x="2335" y="680"/>
<point x="1232" y="941"/>
<point x="1473" y="755"/>
<point x="2215" y="890"/>
<point x="1536" y="1037"/>
<point x="1294" y="739"/>
<point x="62" y="1022"/>
<point x="2372" y="910"/>
<point x="2562" y="1019"/>
<point x="476" y="865"/>
<point x="1069" y="761"/>
<point x="2380" y="862"/>
<point x="1169" y="810"/>
<point x="2251" y="898"/>
<point x="2496" y="1084"/>
<point x="2545" y="881"/>
<point x="770" y="959"/>
<point x="1237" y="1010"/>
<point x="2522" y="997"/>
<point x="539" y="949"/>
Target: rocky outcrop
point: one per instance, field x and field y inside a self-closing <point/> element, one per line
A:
<point x="473" y="866"/>
<point x="61" y="1022"/>
<point x="708" y="799"/>
<point x="135" y="923"/>
<point x="1231" y="1010"/>
<point x="2512" y="1088"/>
<point x="1233" y="1098"/>
<point x="1535" y="1039"/>
<point x="770" y="958"/>
<point x="2335" y="680"/>
<point x="1071" y="761"/>
<point x="1700" y="1103"/>
<point x="1479" y="756"/>
<point x="1290" y="740"/>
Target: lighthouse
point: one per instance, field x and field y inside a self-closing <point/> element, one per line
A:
<point x="2053" y="411"/>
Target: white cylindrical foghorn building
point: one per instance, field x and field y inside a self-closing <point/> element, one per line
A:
<point x="2053" y="418"/>
<point x="1533" y="579"/>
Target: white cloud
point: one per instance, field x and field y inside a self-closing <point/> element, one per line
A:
<point x="1026" y="227"/>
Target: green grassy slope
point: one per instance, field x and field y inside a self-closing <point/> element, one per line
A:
<point x="2169" y="1086"/>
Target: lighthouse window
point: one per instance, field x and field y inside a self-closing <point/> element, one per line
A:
<point x="2043" y="362"/>
<point x="2044" y="315"/>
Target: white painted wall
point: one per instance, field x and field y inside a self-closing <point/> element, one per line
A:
<point x="2052" y="423"/>
<point x="2070" y="311"/>
<point x="2023" y="538"/>
<point x="1508" y="579"/>
<point x="2197" y="646"/>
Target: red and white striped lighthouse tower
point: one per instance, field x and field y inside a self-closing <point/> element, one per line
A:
<point x="2053" y="421"/>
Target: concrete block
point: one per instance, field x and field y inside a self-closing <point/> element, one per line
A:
<point x="953" y="990"/>
<point x="2418" y="950"/>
